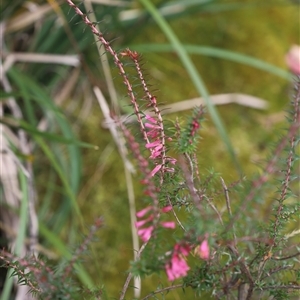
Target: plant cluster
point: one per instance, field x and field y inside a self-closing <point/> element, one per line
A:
<point x="200" y="232"/>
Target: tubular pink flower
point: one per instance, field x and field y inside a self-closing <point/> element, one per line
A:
<point x="143" y="212"/>
<point x="152" y="126"/>
<point x="172" y="160"/>
<point x="139" y="224"/>
<point x="154" y="144"/>
<point x="153" y="134"/>
<point x="155" y="154"/>
<point x="150" y="119"/>
<point x="170" y="224"/>
<point x="166" y="209"/>
<point x="155" y="170"/>
<point x="145" y="233"/>
<point x="158" y="147"/>
<point x="204" y="250"/>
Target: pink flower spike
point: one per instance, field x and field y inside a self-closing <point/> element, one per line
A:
<point x="166" y="209"/>
<point x="145" y="233"/>
<point x="204" y="250"/>
<point x="142" y="212"/>
<point x="155" y="170"/>
<point x="170" y="224"/>
<point x="154" y="144"/>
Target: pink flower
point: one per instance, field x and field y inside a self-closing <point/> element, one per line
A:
<point x="166" y="209"/>
<point x="292" y="59"/>
<point x="143" y="222"/>
<point x="203" y="250"/>
<point x="150" y="119"/>
<point x="183" y="249"/>
<point x="171" y="224"/>
<point x="144" y="211"/>
<point x="154" y="144"/>
<point x="145" y="233"/>
<point x="172" y="160"/>
<point x="177" y="266"/>
<point x="152" y="126"/>
<point x="155" y="170"/>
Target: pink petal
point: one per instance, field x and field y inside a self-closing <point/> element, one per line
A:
<point x="154" y="144"/>
<point x="166" y="209"/>
<point x="170" y="224"/>
<point x="145" y="233"/>
<point x="153" y="134"/>
<point x="176" y="268"/>
<point x="148" y="125"/>
<point x="155" y="154"/>
<point x="204" y="250"/>
<point x="150" y="119"/>
<point x="159" y="147"/>
<point x="142" y="212"/>
<point x="155" y="170"/>
<point x="139" y="224"/>
<point x="293" y="59"/>
<point x="172" y="160"/>
<point x="169" y="272"/>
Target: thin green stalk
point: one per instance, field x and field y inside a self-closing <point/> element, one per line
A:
<point x="195" y="77"/>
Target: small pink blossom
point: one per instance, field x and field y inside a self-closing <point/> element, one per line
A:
<point x="177" y="267"/>
<point x="203" y="250"/>
<point x="292" y="59"/>
<point x="139" y="224"/>
<point x="152" y="126"/>
<point x="155" y="170"/>
<point x="153" y="134"/>
<point x="143" y="212"/>
<point x="145" y="233"/>
<point x="150" y="119"/>
<point x="172" y="160"/>
<point x="170" y="224"/>
<point x="154" y="144"/>
<point x="155" y="154"/>
<point x="166" y="209"/>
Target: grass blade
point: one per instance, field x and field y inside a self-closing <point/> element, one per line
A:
<point x="219" y="53"/>
<point x="195" y="77"/>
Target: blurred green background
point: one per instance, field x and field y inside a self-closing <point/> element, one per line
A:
<point x="62" y="96"/>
